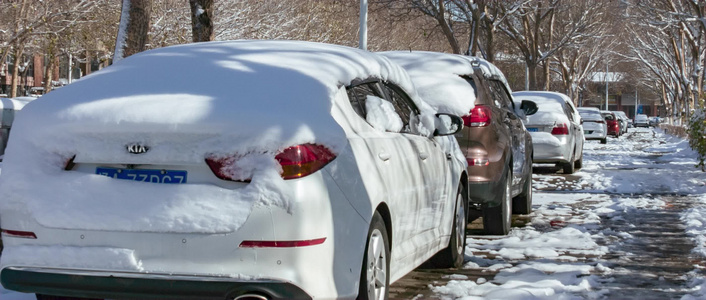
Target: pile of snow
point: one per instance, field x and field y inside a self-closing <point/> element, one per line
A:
<point x="437" y="77"/>
<point x="246" y="98"/>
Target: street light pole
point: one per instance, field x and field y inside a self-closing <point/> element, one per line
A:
<point x="606" y="86"/>
<point x="363" y="31"/>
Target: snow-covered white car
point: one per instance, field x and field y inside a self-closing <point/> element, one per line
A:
<point x="641" y="121"/>
<point x="275" y="169"/>
<point x="556" y="129"/>
<point x="495" y="143"/>
<point x="594" y="125"/>
<point x="8" y="108"/>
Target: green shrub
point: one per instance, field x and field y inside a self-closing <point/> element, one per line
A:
<point x="697" y="136"/>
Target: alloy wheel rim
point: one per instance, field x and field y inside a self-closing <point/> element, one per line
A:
<point x="376" y="266"/>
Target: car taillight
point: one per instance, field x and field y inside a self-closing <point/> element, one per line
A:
<point x="221" y="167"/>
<point x="19" y="234"/>
<point x="477" y="161"/>
<point x="296" y="162"/>
<point x="303" y="160"/>
<point x="560" y="129"/>
<point x="478" y="117"/>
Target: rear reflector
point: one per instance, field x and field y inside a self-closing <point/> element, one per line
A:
<point x="478" y="117"/>
<point x="560" y="129"/>
<point x="477" y="161"/>
<point x="19" y="234"/>
<point x="281" y="244"/>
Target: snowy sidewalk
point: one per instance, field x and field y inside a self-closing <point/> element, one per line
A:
<point x="617" y="229"/>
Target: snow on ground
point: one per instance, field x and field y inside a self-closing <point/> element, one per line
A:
<point x="557" y="254"/>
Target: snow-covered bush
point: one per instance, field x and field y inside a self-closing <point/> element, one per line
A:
<point x="697" y="136"/>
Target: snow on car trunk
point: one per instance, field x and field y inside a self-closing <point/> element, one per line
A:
<point x="249" y="99"/>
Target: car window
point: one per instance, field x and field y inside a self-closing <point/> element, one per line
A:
<point x="472" y="83"/>
<point x="404" y="106"/>
<point x="501" y="95"/>
<point x="359" y="92"/>
<point x="567" y="111"/>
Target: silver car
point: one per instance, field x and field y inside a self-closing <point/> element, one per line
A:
<point x="594" y="126"/>
<point x="556" y="130"/>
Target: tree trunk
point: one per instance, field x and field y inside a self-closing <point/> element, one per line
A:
<point x="133" y="29"/>
<point x="201" y="24"/>
<point x="16" y="71"/>
<point x="532" y="68"/>
<point x="446" y="28"/>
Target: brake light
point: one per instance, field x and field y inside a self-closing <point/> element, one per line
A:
<point x="479" y="117"/>
<point x="281" y="244"/>
<point x="303" y="160"/>
<point x="560" y="129"/>
<point x="222" y="167"/>
<point x="19" y="234"/>
<point x="477" y="161"/>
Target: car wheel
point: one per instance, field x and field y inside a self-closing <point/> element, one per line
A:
<point x="50" y="297"/>
<point x="497" y="219"/>
<point x="568" y="167"/>
<point x="522" y="204"/>
<point x="604" y="140"/>
<point x="579" y="163"/>
<point x="375" y="275"/>
<point x="452" y="256"/>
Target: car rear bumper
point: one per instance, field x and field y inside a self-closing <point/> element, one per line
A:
<point x="75" y="283"/>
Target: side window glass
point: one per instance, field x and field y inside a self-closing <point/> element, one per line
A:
<point x="404" y="107"/>
<point x="358" y="94"/>
<point x="502" y="95"/>
<point x="567" y="111"/>
<point x="472" y="83"/>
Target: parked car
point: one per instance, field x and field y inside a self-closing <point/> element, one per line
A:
<point x="594" y="126"/>
<point x="495" y="143"/>
<point x="284" y="170"/>
<point x="625" y="121"/>
<point x="9" y="108"/>
<point x="556" y="130"/>
<point x="654" y="121"/>
<point x="641" y="121"/>
<point x="612" y="122"/>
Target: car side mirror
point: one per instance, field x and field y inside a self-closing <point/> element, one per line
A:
<point x="447" y="124"/>
<point x="529" y="107"/>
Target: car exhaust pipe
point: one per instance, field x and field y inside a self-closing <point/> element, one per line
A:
<point x="251" y="297"/>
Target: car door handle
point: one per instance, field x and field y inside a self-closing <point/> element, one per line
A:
<point x="384" y="156"/>
<point x="423" y="155"/>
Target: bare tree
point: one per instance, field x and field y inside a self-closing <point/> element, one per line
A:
<point x="201" y="24"/>
<point x="134" y="27"/>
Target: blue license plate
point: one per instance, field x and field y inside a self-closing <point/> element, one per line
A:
<point x="533" y="129"/>
<point x="144" y="175"/>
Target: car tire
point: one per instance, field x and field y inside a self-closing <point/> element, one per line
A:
<point x="579" y="163"/>
<point x="376" y="263"/>
<point x="497" y="219"/>
<point x="569" y="167"/>
<point x="50" y="297"/>
<point x="604" y="140"/>
<point x="453" y="255"/>
<point x="522" y="203"/>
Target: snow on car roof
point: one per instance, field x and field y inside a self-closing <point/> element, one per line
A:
<point x="287" y="86"/>
<point x="549" y="106"/>
<point x="8" y="103"/>
<point x="437" y="77"/>
<point x="188" y="102"/>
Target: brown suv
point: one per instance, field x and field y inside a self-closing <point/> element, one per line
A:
<point x="497" y="148"/>
<point x="494" y="140"/>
